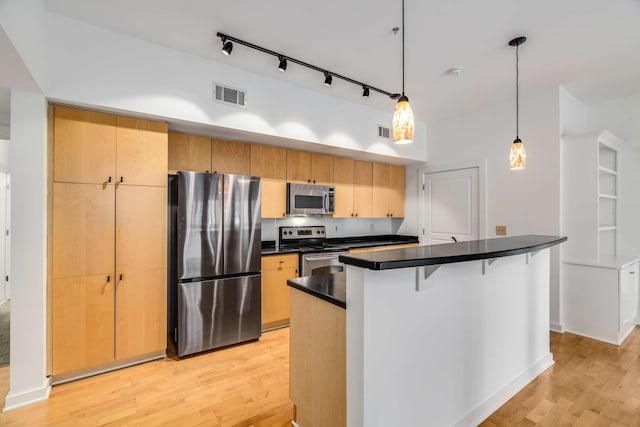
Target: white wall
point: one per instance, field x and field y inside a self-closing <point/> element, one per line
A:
<point x="28" y="381"/>
<point x="5" y="155"/>
<point x="83" y="64"/>
<point x="526" y="201"/>
<point x="620" y="116"/>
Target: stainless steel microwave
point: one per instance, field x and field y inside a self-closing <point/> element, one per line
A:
<point x="309" y="199"/>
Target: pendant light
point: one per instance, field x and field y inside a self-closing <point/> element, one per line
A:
<point x="517" y="156"/>
<point x="402" y="123"/>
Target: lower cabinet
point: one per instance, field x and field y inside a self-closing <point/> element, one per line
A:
<point x="276" y="270"/>
<point x="601" y="301"/>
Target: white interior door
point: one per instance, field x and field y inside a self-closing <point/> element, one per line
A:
<point x="450" y="206"/>
<point x="3" y="226"/>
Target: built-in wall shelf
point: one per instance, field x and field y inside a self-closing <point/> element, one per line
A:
<point x="608" y="228"/>
<point x="608" y="196"/>
<point x="607" y="170"/>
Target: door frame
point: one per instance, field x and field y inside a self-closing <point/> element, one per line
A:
<point x="482" y="193"/>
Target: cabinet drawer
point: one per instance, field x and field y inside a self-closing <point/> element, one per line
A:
<point x="277" y="262"/>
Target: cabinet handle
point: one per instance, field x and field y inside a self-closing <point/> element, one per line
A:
<point x="109" y="180"/>
<point x="391" y="215"/>
<point x="632" y="272"/>
<point x="356" y="215"/>
<point x="281" y="262"/>
<point x="207" y="171"/>
<point x="121" y="277"/>
<point x="284" y="214"/>
<point x="108" y="279"/>
<point x="351" y="213"/>
<point x="314" y="181"/>
<point x="309" y="181"/>
<point x="121" y="179"/>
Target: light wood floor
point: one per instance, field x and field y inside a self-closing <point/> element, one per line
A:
<point x="591" y="384"/>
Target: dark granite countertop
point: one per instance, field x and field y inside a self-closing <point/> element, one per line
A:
<point x="451" y="252"/>
<point x="346" y="243"/>
<point x="329" y="287"/>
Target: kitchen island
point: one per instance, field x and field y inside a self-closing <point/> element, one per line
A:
<point x="436" y="335"/>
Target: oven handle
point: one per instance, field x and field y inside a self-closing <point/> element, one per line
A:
<point x="321" y="258"/>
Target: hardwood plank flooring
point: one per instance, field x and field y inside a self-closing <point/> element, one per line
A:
<point x="242" y="386"/>
<point x="591" y="384"/>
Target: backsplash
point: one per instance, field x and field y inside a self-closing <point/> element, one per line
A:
<point x="338" y="227"/>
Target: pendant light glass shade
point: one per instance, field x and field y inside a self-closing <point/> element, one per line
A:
<point x="518" y="156"/>
<point x="402" y="124"/>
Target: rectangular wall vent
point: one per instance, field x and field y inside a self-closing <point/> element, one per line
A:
<point x="384" y="132"/>
<point x="229" y="95"/>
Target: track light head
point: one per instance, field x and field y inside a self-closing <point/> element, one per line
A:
<point x="227" y="46"/>
<point x="328" y="78"/>
<point x="283" y="64"/>
<point x="365" y="91"/>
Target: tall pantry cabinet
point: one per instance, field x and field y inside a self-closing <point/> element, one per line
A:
<point x="108" y="288"/>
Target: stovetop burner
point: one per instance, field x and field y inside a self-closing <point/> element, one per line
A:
<point x="310" y="238"/>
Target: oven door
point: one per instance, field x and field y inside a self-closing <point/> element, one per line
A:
<point x="322" y="263"/>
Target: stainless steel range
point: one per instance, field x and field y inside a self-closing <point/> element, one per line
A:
<point x="316" y="255"/>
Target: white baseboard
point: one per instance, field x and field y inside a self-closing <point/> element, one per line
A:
<point x="482" y="412"/>
<point x="14" y="401"/>
<point x="556" y="327"/>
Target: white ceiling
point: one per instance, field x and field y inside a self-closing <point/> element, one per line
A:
<point x="591" y="46"/>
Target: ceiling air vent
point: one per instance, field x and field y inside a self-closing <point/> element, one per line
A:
<point x="384" y="132"/>
<point x="229" y="95"/>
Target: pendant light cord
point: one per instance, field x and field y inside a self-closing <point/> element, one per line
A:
<point x="517" y="95"/>
<point x="402" y="47"/>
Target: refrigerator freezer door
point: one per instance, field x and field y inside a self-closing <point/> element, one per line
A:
<point x="199" y="223"/>
<point x="216" y="313"/>
<point x="242" y="245"/>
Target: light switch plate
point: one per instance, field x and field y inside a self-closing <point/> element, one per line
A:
<point x="501" y="230"/>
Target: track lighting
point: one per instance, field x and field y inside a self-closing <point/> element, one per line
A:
<point x="327" y="79"/>
<point x="227" y="46"/>
<point x="283" y="64"/>
<point x="284" y="60"/>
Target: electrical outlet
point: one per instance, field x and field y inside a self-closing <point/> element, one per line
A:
<point x="371" y="226"/>
<point x="501" y="230"/>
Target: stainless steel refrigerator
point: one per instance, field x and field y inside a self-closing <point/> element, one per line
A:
<point x="215" y="263"/>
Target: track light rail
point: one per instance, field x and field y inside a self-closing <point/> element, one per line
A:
<point x="325" y="72"/>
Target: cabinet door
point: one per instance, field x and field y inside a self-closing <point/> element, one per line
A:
<point x="82" y="322"/>
<point x="230" y="157"/>
<point x="83" y="229"/>
<point x="380" y="191"/>
<point x="273" y="198"/>
<point x="275" y="292"/>
<point x="362" y="189"/>
<point x="343" y="182"/>
<point x="141" y="283"/>
<point x="298" y="166"/>
<point x="85" y="146"/>
<point x="189" y="153"/>
<point x="396" y="191"/>
<point x="321" y="169"/>
<point x="628" y="297"/>
<point x="142" y="152"/>
<point x="268" y="162"/>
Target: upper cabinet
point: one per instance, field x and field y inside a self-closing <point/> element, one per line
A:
<point x="362" y="189"/>
<point x="311" y="168"/>
<point x="230" y="157"/>
<point x="270" y="163"/>
<point x="141" y="142"/>
<point x="189" y="153"/>
<point x="85" y="148"/>
<point x="343" y="182"/>
<point x="387" y="191"/>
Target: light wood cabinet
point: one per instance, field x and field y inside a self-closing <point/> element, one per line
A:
<point x="270" y="163"/>
<point x="310" y="168"/>
<point x="230" y="157"/>
<point x="321" y="169"/>
<point x="85" y="148"/>
<point x="99" y="231"/>
<point x="387" y="191"/>
<point x="384" y="248"/>
<point x="276" y="270"/>
<point x="83" y="276"/>
<point x="189" y="153"/>
<point x="362" y="189"/>
<point x="343" y="183"/>
<point x="141" y="265"/>
<point x="141" y="152"/>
